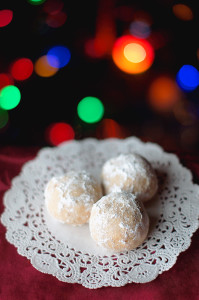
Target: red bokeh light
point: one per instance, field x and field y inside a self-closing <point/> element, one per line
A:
<point x="6" y="16"/>
<point x="91" y="49"/>
<point x="5" y="80"/>
<point x="56" y="20"/>
<point x="109" y="128"/>
<point x="53" y="6"/>
<point x="59" y="132"/>
<point x="22" y="69"/>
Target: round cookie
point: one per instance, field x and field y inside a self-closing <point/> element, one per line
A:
<point x="130" y="173"/>
<point x="119" y="222"/>
<point x="69" y="198"/>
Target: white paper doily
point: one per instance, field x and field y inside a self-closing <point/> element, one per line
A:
<point x="68" y="252"/>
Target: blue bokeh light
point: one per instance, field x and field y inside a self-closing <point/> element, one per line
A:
<point x="140" y="29"/>
<point x="188" y="78"/>
<point x="58" y="56"/>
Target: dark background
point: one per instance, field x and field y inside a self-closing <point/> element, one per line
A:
<point x="54" y="99"/>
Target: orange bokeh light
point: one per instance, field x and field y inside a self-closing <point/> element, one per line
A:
<point x="43" y="69"/>
<point x="163" y="93"/>
<point x="132" y="55"/>
<point x="183" y="12"/>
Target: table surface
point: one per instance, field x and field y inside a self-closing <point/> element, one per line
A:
<point x="20" y="280"/>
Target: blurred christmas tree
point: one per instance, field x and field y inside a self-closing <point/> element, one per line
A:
<point x="139" y="60"/>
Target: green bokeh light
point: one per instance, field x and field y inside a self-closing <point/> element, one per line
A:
<point x="90" y="110"/>
<point x="36" y="2"/>
<point x="3" y="118"/>
<point x="10" y="97"/>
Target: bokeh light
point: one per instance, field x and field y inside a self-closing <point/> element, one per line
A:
<point x="132" y="55"/>
<point x="140" y="29"/>
<point x="43" y="69"/>
<point x="36" y="2"/>
<point x="59" y="132"/>
<point x="100" y="46"/>
<point x="6" y="16"/>
<point x="53" y="6"/>
<point x="58" y="56"/>
<point x="183" y="12"/>
<point x="109" y="128"/>
<point x="188" y="78"/>
<point x="90" y="109"/>
<point x="56" y="20"/>
<point x="134" y="52"/>
<point x="5" y="80"/>
<point x="4" y="117"/>
<point x="91" y="49"/>
<point x="22" y="69"/>
<point x="105" y="32"/>
<point x="163" y="93"/>
<point x="10" y="97"/>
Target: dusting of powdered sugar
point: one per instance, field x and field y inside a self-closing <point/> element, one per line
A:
<point x="125" y="171"/>
<point x="125" y="166"/>
<point x="67" y="187"/>
<point x="121" y="206"/>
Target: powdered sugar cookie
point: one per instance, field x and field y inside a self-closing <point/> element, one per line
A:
<point x="131" y="173"/>
<point x="119" y="221"/>
<point x="69" y="198"/>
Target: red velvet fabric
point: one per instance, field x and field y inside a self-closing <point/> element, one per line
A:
<point x="20" y="280"/>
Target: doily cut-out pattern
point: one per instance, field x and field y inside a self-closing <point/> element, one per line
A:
<point x="173" y="216"/>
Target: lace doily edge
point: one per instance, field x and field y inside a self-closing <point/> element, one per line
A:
<point x="171" y="155"/>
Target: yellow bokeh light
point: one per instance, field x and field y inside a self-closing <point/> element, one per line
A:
<point x="132" y="55"/>
<point x="134" y="52"/>
<point x="43" y="69"/>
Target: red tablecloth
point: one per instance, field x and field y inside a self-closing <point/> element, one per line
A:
<point x="20" y="280"/>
